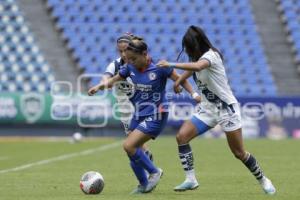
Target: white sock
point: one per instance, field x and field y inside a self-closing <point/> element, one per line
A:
<point x="190" y="175"/>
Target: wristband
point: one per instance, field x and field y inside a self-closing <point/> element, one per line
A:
<point x="195" y="95"/>
<point x="171" y="64"/>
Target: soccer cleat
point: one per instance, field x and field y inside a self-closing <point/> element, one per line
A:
<point x="153" y="180"/>
<point x="267" y="186"/>
<point x="139" y="190"/>
<point x="147" y="174"/>
<point x="187" y="185"/>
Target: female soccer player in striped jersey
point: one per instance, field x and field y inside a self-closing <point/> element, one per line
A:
<point x="218" y="106"/>
<point x="113" y="69"/>
<point x="151" y="109"/>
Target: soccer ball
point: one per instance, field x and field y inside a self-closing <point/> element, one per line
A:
<point x="77" y="137"/>
<point x="92" y="182"/>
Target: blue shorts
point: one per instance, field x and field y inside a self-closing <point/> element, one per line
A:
<point x="151" y="125"/>
<point x="200" y="125"/>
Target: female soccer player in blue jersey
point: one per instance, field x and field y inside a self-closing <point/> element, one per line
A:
<point x="122" y="91"/>
<point x="219" y="106"/>
<point x="151" y="110"/>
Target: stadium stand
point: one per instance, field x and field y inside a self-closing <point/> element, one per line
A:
<point x="290" y="16"/>
<point x="22" y="65"/>
<point x="90" y="28"/>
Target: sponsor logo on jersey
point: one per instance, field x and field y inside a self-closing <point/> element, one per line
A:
<point x="144" y="88"/>
<point x="152" y="76"/>
<point x="200" y="85"/>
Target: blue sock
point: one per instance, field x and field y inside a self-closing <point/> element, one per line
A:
<point x="139" y="173"/>
<point x="141" y="159"/>
<point x="149" y="154"/>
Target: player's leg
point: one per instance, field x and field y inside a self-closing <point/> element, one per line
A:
<point x="132" y="146"/>
<point x="236" y="145"/>
<point x="138" y="160"/>
<point x="188" y="131"/>
<point x="230" y="121"/>
<point x="148" y="128"/>
<point x="126" y="120"/>
<point x="148" y="152"/>
<point x="127" y="132"/>
<point x="133" y="143"/>
<point x="138" y="170"/>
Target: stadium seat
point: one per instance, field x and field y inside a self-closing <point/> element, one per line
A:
<point x="22" y="64"/>
<point x="291" y="15"/>
<point x="91" y="28"/>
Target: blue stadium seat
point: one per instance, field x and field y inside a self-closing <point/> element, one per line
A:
<point x="23" y="64"/>
<point x="91" y="28"/>
<point x="291" y="11"/>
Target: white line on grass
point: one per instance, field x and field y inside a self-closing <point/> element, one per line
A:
<point x="62" y="157"/>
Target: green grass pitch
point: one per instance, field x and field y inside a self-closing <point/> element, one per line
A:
<point x="221" y="176"/>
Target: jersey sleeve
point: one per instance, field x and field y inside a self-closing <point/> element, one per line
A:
<point x="209" y="57"/>
<point x="167" y="71"/>
<point x="110" y="69"/>
<point x="124" y="72"/>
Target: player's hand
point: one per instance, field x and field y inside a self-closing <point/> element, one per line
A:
<point x="163" y="63"/>
<point x="177" y="88"/>
<point x="95" y="89"/>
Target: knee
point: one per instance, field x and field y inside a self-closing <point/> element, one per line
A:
<point x="239" y="154"/>
<point x="128" y="148"/>
<point x="182" y="137"/>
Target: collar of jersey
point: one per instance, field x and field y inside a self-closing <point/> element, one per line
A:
<point x="150" y="66"/>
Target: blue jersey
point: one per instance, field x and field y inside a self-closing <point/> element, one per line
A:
<point x="149" y="97"/>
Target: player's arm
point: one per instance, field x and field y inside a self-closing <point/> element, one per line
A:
<point x="185" y="84"/>
<point x="107" y="84"/>
<point x="109" y="72"/>
<point x="191" y="66"/>
<point x="106" y="77"/>
<point x="183" y="77"/>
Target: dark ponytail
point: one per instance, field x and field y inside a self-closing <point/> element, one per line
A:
<point x="196" y="43"/>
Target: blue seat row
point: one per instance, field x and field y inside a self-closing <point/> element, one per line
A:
<point x="291" y="12"/>
<point x="91" y="28"/>
<point x="22" y="65"/>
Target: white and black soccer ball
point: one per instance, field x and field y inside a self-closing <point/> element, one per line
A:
<point x="92" y="182"/>
<point x="77" y="137"/>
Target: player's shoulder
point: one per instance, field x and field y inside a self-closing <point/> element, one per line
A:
<point x="153" y="67"/>
<point x="212" y="56"/>
<point x="118" y="60"/>
<point x="162" y="71"/>
<point x="210" y="53"/>
<point x="114" y="62"/>
<point x="118" y="63"/>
